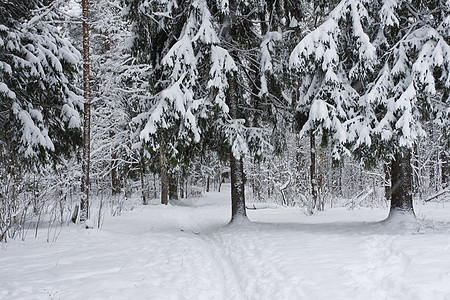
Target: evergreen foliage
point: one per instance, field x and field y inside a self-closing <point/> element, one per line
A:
<point x="39" y="104"/>
<point x="373" y="73"/>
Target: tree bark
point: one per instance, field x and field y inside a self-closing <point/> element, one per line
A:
<point x="232" y="99"/>
<point x="142" y="172"/>
<point x="387" y="181"/>
<point x="236" y="164"/>
<point x="320" y="200"/>
<point x="445" y="170"/>
<point x="164" y="178"/>
<point x="312" y="172"/>
<point x="115" y="181"/>
<point x="173" y="187"/>
<point x="182" y="180"/>
<point x="402" y="185"/>
<point x="237" y="189"/>
<point x="84" y="205"/>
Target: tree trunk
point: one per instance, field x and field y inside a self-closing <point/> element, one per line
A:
<point x="84" y="205"/>
<point x="142" y="172"/>
<point x="182" y="180"/>
<point x="401" y="178"/>
<point x="115" y="181"/>
<point x="173" y="187"/>
<point x="387" y="181"/>
<point x="164" y="178"/>
<point x="445" y="170"/>
<point x="237" y="189"/>
<point x="220" y="180"/>
<point x="312" y="172"/>
<point x="155" y="194"/>
<point x="320" y="198"/>
<point x="232" y="100"/>
<point x="207" y="184"/>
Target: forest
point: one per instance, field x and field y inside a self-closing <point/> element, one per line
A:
<point x="106" y="104"/>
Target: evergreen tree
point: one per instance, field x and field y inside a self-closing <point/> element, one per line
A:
<point x="39" y="106"/>
<point x="194" y="80"/>
<point x="375" y="71"/>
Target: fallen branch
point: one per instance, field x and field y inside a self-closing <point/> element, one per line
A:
<point x="438" y="194"/>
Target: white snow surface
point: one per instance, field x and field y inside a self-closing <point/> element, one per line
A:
<point x="189" y="252"/>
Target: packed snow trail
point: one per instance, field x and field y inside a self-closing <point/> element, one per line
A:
<point x="189" y="252"/>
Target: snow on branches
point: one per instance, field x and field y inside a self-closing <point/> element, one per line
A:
<point x="36" y="69"/>
<point x="371" y="75"/>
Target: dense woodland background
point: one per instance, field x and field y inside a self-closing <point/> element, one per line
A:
<point x="306" y="103"/>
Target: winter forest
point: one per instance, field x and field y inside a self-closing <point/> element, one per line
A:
<point x="215" y="140"/>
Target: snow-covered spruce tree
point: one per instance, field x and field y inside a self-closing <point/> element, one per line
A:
<point x="195" y="85"/>
<point x="167" y="121"/>
<point x="325" y="96"/>
<point x="39" y="108"/>
<point x="374" y="71"/>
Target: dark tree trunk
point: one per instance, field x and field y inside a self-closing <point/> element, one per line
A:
<point x="84" y="205"/>
<point x="115" y="181"/>
<point x="182" y="194"/>
<point x="220" y="180"/>
<point x="320" y="200"/>
<point x="173" y="187"/>
<point x="387" y="181"/>
<point x="142" y="172"/>
<point x="445" y="169"/>
<point x="237" y="189"/>
<point x="207" y="184"/>
<point x="401" y="178"/>
<point x="164" y="178"/>
<point x="232" y="99"/>
<point x="312" y="171"/>
<point x="236" y="164"/>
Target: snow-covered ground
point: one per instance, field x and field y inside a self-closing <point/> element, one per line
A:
<point x="188" y="252"/>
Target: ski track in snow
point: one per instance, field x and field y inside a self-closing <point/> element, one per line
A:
<point x="245" y="270"/>
<point x="189" y="252"/>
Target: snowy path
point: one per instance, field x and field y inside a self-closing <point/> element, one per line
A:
<point x="189" y="252"/>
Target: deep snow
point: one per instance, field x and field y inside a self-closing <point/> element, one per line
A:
<point x="188" y="252"/>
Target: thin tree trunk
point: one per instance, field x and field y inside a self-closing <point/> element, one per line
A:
<point x="387" y="181"/>
<point x="445" y="170"/>
<point x="321" y="202"/>
<point x="142" y="172"/>
<point x="115" y="181"/>
<point x="312" y="171"/>
<point x="155" y="194"/>
<point x="220" y="180"/>
<point x="401" y="190"/>
<point x="207" y="184"/>
<point x="84" y="205"/>
<point x="164" y="178"/>
<point x="182" y="180"/>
